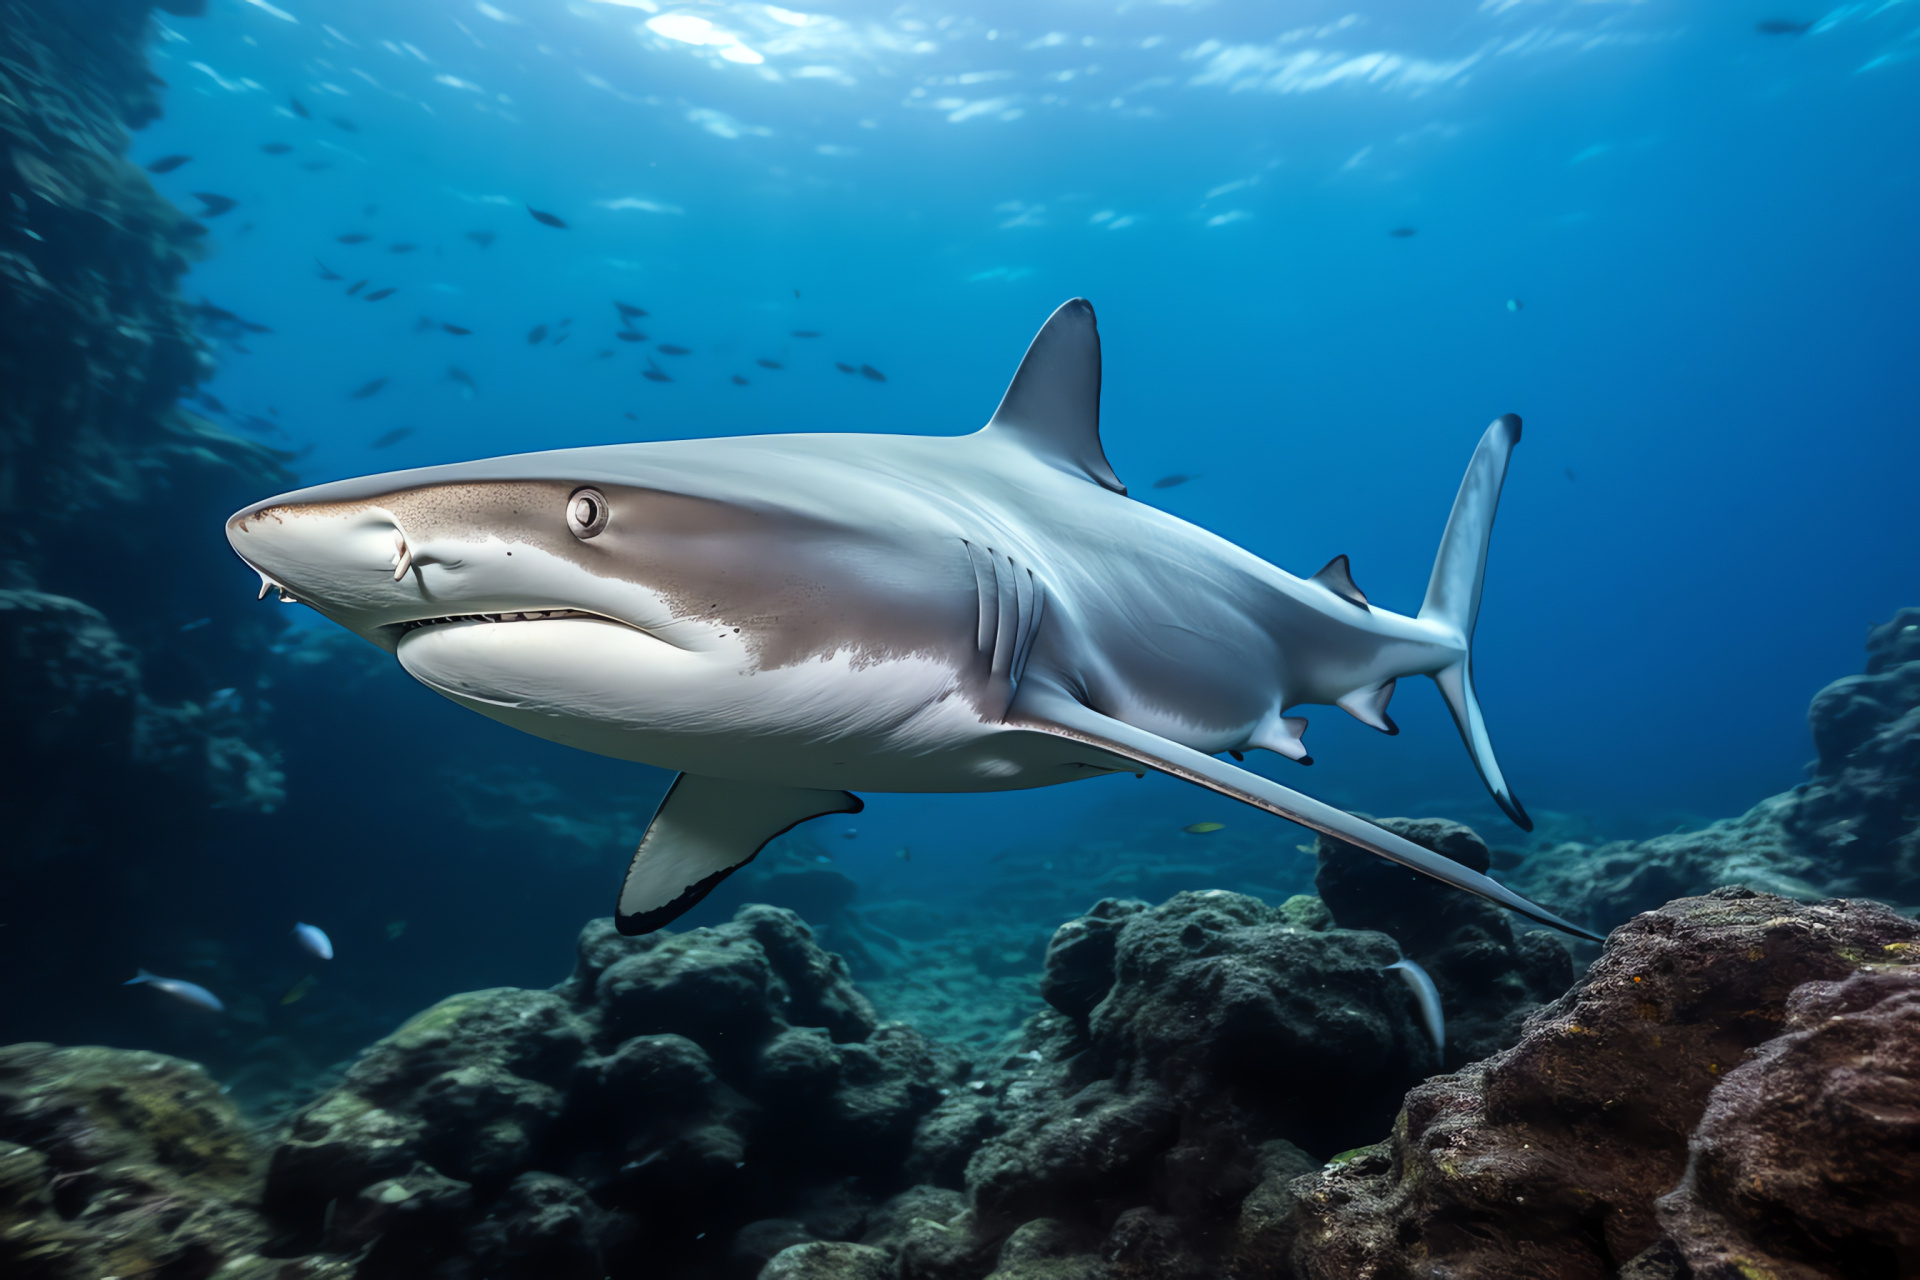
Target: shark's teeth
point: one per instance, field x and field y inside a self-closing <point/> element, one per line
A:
<point x="525" y="615"/>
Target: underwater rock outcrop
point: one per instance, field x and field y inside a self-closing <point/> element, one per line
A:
<point x="1489" y="975"/>
<point x="666" y="1103"/>
<point x="1852" y="829"/>
<point x="117" y="1162"/>
<point x="1551" y="1158"/>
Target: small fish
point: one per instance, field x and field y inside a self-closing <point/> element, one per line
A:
<point x="216" y="204"/>
<point x="851" y="833"/>
<point x="167" y="164"/>
<point x="1514" y="304"/>
<point x="195" y="625"/>
<point x="354" y="237"/>
<point x="327" y="272"/>
<point x="482" y="238"/>
<point x="630" y="415"/>
<point x="1401" y="233"/>
<point x="903" y="853"/>
<point x="630" y="335"/>
<point x="315" y="166"/>
<point x="312" y="939"/>
<point x="807" y="333"/>
<point x="562" y="338"/>
<point x="1569" y="475"/>
<point x="341" y="122"/>
<point x="300" y="990"/>
<point x="368" y="390"/>
<point x="221" y="699"/>
<point x="668" y="349"/>
<point x="1204" y="828"/>
<point x="739" y="381"/>
<point x="1173" y="481"/>
<point x="395" y="928"/>
<point x="872" y="374"/>
<point x="425" y="323"/>
<point x="378" y="294"/>
<point x="299" y="108"/>
<point x="770" y="364"/>
<point x="844" y="367"/>
<point x="628" y="311"/>
<point x="180" y="989"/>
<point x="546" y="219"/>
<point x="458" y="331"/>
<point x="356" y="287"/>
<point x="386" y="440"/>
<point x="211" y="402"/>
<point x="275" y="148"/>
<point x="536" y="335"/>
<point x="402" y="248"/>
<point x="1427" y="996"/>
<point x="655" y="375"/>
<point x="464" y="380"/>
<point x="1782" y="27"/>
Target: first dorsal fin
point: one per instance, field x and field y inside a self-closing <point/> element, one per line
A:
<point x="1337" y="577"/>
<point x="1052" y="407"/>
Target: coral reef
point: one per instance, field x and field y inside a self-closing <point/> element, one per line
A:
<point x="1730" y="1091"/>
<point x="1853" y="828"/>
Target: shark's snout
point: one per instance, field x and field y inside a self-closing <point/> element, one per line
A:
<point x="350" y="564"/>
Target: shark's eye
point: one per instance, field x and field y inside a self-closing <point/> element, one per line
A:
<point x="587" y="513"/>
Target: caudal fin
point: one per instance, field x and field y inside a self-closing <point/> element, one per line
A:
<point x="1453" y="598"/>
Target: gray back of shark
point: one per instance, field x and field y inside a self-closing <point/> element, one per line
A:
<point x="786" y="620"/>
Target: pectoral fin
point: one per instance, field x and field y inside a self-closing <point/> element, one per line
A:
<point x="705" y="830"/>
<point x="1045" y="708"/>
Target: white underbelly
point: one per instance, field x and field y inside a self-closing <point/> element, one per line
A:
<point x="895" y="724"/>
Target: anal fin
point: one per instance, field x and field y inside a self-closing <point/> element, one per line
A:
<point x="705" y="830"/>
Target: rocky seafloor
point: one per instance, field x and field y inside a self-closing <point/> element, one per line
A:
<point x="1220" y="1087"/>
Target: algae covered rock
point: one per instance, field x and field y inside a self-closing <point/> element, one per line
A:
<point x="677" y="1090"/>
<point x="118" y="1162"/>
<point x="1548" y="1159"/>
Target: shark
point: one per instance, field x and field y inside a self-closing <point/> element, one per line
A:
<point x="785" y="621"/>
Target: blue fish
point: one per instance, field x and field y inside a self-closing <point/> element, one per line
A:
<point x="314" y="940"/>
<point x="180" y="989"/>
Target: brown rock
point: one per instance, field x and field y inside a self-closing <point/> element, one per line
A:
<point x="1807" y="1162"/>
<point x="1545" y="1161"/>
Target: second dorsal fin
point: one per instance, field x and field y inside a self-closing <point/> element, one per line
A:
<point x="1338" y="578"/>
<point x="1052" y="407"/>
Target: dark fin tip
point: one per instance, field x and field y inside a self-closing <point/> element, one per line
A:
<point x="1512" y="422"/>
<point x="658" y="918"/>
<point x="1306" y="759"/>
<point x="1392" y="730"/>
<point x="1236" y="755"/>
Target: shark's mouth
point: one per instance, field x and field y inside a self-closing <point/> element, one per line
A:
<point x="398" y="629"/>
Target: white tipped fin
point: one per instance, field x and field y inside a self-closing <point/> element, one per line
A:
<point x="1052" y="407"/>
<point x="705" y="830"/>
<point x="1337" y="577"/>
<point x="1369" y="706"/>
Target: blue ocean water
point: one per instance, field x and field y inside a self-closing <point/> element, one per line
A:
<point x="1326" y="247"/>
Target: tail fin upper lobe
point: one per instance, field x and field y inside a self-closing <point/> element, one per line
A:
<point x="1453" y="598"/>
